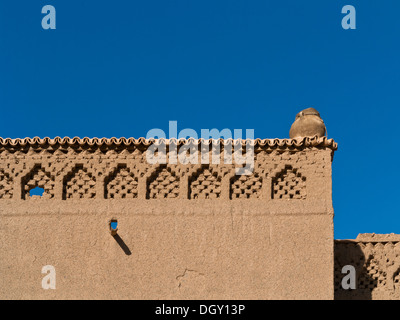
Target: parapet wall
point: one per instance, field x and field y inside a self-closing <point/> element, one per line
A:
<point x="376" y="259"/>
<point x="185" y="231"/>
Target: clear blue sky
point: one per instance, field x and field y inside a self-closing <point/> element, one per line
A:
<point x="121" y="68"/>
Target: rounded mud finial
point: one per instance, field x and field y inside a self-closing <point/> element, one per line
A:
<point x="308" y="123"/>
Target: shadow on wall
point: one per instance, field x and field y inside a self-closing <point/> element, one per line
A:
<point x="351" y="253"/>
<point x="122" y="244"/>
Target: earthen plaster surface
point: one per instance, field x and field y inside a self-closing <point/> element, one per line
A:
<point x="185" y="231"/>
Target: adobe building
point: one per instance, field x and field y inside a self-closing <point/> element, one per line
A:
<point x="114" y="226"/>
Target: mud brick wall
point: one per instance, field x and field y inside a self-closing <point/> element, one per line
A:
<point x="185" y="231"/>
<point x="376" y="259"/>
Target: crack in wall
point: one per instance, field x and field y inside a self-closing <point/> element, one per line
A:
<point x="179" y="277"/>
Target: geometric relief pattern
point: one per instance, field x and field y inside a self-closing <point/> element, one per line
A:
<point x="246" y="187"/>
<point x="205" y="184"/>
<point x="6" y="185"/>
<point x="396" y="279"/>
<point x="38" y="177"/>
<point x="384" y="265"/>
<point x="289" y="184"/>
<point x="79" y="184"/>
<point x="377" y="267"/>
<point x="163" y="184"/>
<point x="121" y="184"/>
<point x="372" y="276"/>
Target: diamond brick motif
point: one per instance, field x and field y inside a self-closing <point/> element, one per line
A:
<point x="39" y="178"/>
<point x="246" y="187"/>
<point x="163" y="184"/>
<point x="206" y="184"/>
<point x="122" y="185"/>
<point x="80" y="184"/>
<point x="289" y="184"/>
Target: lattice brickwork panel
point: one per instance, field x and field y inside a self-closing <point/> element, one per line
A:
<point x="289" y="184"/>
<point x="122" y="185"/>
<point x="377" y="267"/>
<point x="80" y="185"/>
<point x="118" y="173"/>
<point x="163" y="184"/>
<point x="6" y="185"/>
<point x="205" y="185"/>
<point x="246" y="187"/>
<point x="38" y="177"/>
